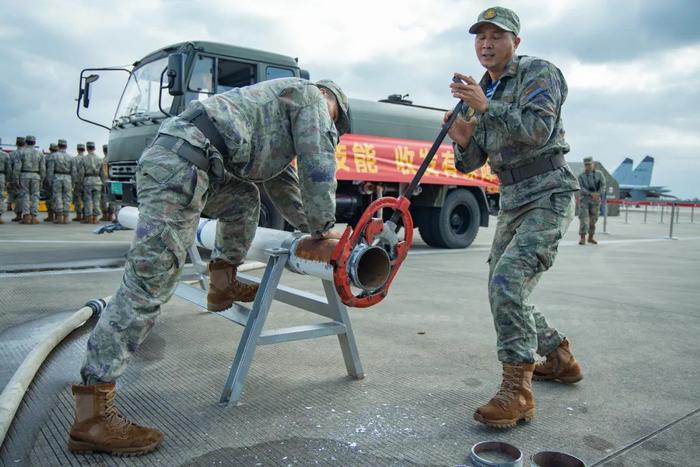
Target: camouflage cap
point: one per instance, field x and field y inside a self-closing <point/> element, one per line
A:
<point x="80" y="146"/>
<point x="19" y="140"/>
<point x="587" y="160"/>
<point x="29" y="139"/>
<point x="343" y="123"/>
<point x="500" y="17"/>
<point x="53" y="147"/>
<point x="90" y="145"/>
<point x="63" y="143"/>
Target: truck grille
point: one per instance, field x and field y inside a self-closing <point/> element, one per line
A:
<point x="122" y="171"/>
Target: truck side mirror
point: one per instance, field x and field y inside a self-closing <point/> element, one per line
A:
<point x="304" y="74"/>
<point x="176" y="74"/>
<point x="85" y="92"/>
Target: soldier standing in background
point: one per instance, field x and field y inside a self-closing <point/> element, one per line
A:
<point x="61" y="170"/>
<point x="48" y="193"/>
<point x="592" y="191"/>
<point x="78" y="184"/>
<point x="13" y="189"/>
<point x="107" y="206"/>
<point x="29" y="170"/>
<point x="5" y="173"/>
<point x="517" y="126"/>
<point x="90" y="173"/>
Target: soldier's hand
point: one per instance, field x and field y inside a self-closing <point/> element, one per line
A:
<point x="461" y="130"/>
<point x="470" y="93"/>
<point x="595" y="196"/>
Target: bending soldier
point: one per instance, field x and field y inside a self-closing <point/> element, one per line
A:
<point x="208" y="159"/>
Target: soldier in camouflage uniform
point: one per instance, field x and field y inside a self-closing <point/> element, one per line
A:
<point x="29" y="170"/>
<point x="53" y="149"/>
<point x="90" y="172"/>
<point x="5" y="174"/>
<point x="209" y="159"/>
<point x="13" y="189"/>
<point x="107" y="205"/>
<point x="61" y="171"/>
<point x="592" y="190"/>
<point x="78" y="184"/>
<point x="516" y="124"/>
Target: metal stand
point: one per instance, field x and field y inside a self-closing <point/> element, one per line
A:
<point x="253" y="319"/>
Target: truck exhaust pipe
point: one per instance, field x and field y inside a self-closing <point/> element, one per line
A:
<point x="367" y="267"/>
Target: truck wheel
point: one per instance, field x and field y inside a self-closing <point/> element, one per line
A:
<point x="270" y="217"/>
<point x="455" y="224"/>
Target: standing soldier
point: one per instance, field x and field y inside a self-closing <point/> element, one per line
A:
<point x="13" y="189"/>
<point x="107" y="206"/>
<point x="90" y="172"/>
<point x="78" y="184"/>
<point x="5" y="173"/>
<point x="517" y="126"/>
<point x="48" y="192"/>
<point x="592" y="191"/>
<point x="29" y="170"/>
<point x="61" y="170"/>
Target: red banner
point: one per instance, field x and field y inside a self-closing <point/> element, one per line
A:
<point x="381" y="159"/>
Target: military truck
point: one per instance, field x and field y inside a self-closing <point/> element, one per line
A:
<point x="385" y="145"/>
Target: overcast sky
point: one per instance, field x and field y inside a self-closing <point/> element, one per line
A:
<point x="633" y="66"/>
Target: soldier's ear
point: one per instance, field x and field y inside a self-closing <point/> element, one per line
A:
<point x="516" y="42"/>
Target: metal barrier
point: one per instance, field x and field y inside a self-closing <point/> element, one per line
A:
<point x="674" y="216"/>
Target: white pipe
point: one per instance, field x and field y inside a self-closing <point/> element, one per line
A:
<point x="14" y="391"/>
<point x="265" y="239"/>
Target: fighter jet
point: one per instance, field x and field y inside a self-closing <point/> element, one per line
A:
<point x="635" y="184"/>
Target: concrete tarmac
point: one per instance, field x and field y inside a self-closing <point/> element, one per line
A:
<point x="630" y="306"/>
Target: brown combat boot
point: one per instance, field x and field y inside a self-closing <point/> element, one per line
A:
<point x="560" y="366"/>
<point x="49" y="216"/>
<point x="26" y="219"/>
<point x="106" y="218"/>
<point x="592" y="240"/>
<point x="94" y="220"/>
<point x="66" y="219"/>
<point x="98" y="426"/>
<point x="224" y="288"/>
<point x="58" y="218"/>
<point x="34" y="220"/>
<point x="17" y="218"/>
<point x="1" y="221"/>
<point x="78" y="218"/>
<point x="514" y="400"/>
<point x="583" y="240"/>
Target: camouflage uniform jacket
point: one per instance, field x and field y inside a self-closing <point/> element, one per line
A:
<point x="77" y="162"/>
<point x="5" y="166"/>
<point x="522" y="124"/>
<point x="61" y="165"/>
<point x="90" y="170"/>
<point x="265" y="127"/>
<point x="592" y="182"/>
<point x="48" y="160"/>
<point x="29" y="163"/>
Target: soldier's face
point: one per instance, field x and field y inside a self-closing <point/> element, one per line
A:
<point x="494" y="47"/>
<point x="588" y="167"/>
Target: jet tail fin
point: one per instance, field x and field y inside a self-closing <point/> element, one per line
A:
<point x="623" y="172"/>
<point x="642" y="173"/>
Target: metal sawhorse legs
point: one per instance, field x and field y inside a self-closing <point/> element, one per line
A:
<point x="253" y="319"/>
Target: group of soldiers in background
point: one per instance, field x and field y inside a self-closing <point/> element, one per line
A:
<point x="64" y="178"/>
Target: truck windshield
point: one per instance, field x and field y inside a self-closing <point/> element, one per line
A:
<point x="140" y="98"/>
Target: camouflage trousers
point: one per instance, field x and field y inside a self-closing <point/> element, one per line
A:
<point x="28" y="196"/>
<point x="61" y="193"/>
<point x="92" y="200"/>
<point x="172" y="194"/>
<point x="78" y="199"/>
<point x="524" y="246"/>
<point x="588" y="212"/>
<point x="3" y="200"/>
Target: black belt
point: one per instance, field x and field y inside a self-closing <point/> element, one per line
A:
<point x="30" y="171"/>
<point x="193" y="154"/>
<point x="538" y="167"/>
<point x="61" y="173"/>
<point x="200" y="119"/>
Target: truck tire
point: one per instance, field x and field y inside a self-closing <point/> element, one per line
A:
<point x="455" y="224"/>
<point x="270" y="217"/>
